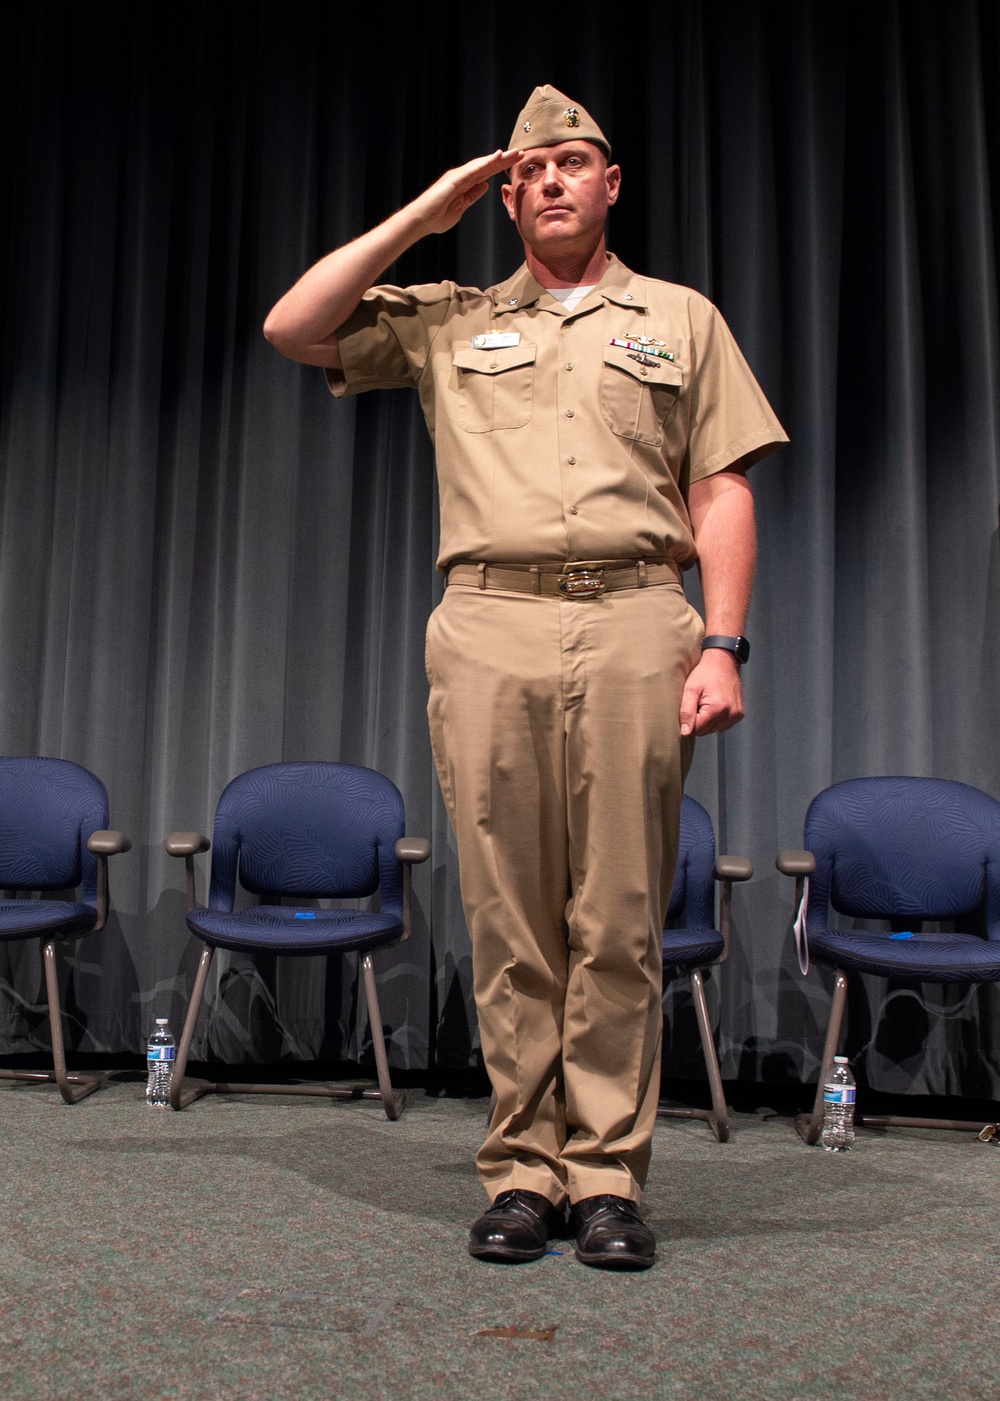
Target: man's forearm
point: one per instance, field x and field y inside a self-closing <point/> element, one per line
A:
<point x="721" y="509"/>
<point x="303" y="325"/>
<point x="722" y="515"/>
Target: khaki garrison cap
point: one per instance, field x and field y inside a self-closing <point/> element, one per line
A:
<point x="549" y="118"/>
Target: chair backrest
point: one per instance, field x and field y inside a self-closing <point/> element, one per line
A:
<point x="905" y="849"/>
<point x="308" y="830"/>
<point x="48" y="810"/>
<point x="693" y="894"/>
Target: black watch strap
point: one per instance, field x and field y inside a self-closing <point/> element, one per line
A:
<point x="739" y="646"/>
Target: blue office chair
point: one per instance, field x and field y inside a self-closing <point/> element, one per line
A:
<point x="54" y="837"/>
<point x="301" y="832"/>
<point x="904" y="851"/>
<point x="698" y="945"/>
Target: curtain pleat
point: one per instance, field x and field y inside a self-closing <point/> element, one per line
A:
<point x="206" y="563"/>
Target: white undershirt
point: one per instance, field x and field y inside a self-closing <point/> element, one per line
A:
<point x="571" y="297"/>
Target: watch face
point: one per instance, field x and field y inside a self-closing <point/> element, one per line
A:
<point x="742" y="650"/>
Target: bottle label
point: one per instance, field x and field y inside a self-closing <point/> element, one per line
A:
<point x="838" y="1094"/>
<point x="158" y="1053"/>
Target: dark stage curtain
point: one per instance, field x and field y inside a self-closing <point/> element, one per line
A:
<point x="207" y="564"/>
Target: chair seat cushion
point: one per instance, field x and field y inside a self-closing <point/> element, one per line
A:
<point x="914" y="957"/>
<point x="695" y="948"/>
<point x="285" y="929"/>
<point x="23" y="919"/>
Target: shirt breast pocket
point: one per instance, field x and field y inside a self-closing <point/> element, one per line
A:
<point x="492" y="389"/>
<point x="636" y="399"/>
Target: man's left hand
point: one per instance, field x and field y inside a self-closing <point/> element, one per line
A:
<point x="713" y="696"/>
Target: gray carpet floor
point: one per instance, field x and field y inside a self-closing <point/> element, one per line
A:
<point x="261" y="1248"/>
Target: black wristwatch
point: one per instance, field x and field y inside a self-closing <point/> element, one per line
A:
<point x="739" y="646"/>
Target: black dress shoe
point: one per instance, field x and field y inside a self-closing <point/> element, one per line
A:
<point x="516" y="1228"/>
<point x="610" y="1234"/>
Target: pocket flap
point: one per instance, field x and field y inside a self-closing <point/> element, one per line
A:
<point x="657" y="371"/>
<point x="493" y="362"/>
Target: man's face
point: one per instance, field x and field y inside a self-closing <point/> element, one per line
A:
<point x="559" y="196"/>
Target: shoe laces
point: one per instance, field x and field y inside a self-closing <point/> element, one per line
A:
<point x="607" y="1201"/>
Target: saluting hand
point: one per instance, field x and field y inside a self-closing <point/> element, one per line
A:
<point x="303" y="324"/>
<point x="442" y="205"/>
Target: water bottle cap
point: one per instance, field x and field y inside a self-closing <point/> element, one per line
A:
<point x="161" y="1021"/>
<point x="840" y="1060"/>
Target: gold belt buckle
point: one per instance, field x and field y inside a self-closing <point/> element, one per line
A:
<point x="582" y="583"/>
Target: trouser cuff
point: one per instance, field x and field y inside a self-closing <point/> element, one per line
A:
<point x="527" y="1179"/>
<point x="595" y="1182"/>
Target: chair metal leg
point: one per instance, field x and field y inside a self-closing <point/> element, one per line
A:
<point x="179" y="1099"/>
<point x="719" y="1118"/>
<point x="811" y="1126"/>
<point x="73" y="1088"/>
<point x="393" y="1101"/>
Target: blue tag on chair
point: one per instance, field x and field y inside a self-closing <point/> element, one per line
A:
<point x="906" y="934"/>
<point x="311" y="914"/>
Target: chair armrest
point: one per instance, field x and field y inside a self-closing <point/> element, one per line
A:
<point x="728" y="869"/>
<point x="795" y="863"/>
<point x="413" y="849"/>
<point x="185" y="844"/>
<point x="104" y="844"/>
<point x="188" y="845"/>
<point x="733" y="868"/>
<point x="410" y="851"/>
<point x="107" y="843"/>
<point x="801" y="865"/>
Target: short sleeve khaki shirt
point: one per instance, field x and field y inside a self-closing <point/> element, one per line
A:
<point x="555" y="443"/>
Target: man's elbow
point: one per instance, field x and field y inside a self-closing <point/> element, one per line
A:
<point x="278" y="334"/>
<point x="287" y="342"/>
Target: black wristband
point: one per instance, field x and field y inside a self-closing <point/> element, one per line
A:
<point x="739" y="646"/>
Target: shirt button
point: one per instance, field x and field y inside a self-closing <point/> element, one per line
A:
<point x="493" y="365"/>
<point x="569" y="364"/>
<point x="570" y="413"/>
<point x="571" y="461"/>
<point x="644" y="370"/>
<point x="574" y="511"/>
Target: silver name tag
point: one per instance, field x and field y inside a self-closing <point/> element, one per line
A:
<point x="496" y="340"/>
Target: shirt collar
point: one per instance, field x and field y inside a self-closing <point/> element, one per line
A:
<point x="618" y="285"/>
<point x="517" y="292"/>
<point x="621" y="286"/>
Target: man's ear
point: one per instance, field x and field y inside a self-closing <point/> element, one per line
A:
<point x="613" y="175"/>
<point x="509" y="203"/>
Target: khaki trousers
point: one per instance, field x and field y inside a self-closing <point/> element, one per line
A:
<point x="555" y="730"/>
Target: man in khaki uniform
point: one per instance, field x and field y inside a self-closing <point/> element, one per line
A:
<point x="592" y="429"/>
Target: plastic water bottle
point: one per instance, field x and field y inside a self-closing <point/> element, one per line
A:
<point x="160" y="1064"/>
<point x="838" y="1108"/>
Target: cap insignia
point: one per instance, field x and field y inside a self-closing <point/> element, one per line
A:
<point x="527" y="126"/>
<point x="572" y="116"/>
